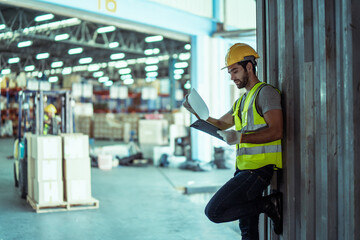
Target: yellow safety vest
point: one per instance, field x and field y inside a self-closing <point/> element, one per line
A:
<point x="250" y="155"/>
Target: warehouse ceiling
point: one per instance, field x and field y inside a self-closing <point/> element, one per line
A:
<point x="98" y="51"/>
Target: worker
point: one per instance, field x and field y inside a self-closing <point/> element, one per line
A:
<point x="258" y="119"/>
<point x="51" y="120"/>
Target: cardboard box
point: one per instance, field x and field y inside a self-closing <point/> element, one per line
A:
<point x="105" y="161"/>
<point x="153" y="132"/>
<point x="46" y="147"/>
<point x="77" y="169"/>
<point x="75" y="146"/>
<point x="48" y="192"/>
<point x="48" y="170"/>
<point x="77" y="190"/>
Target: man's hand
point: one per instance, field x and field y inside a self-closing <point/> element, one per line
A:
<point x="188" y="107"/>
<point x="231" y="137"/>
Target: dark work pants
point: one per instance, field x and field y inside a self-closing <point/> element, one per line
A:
<point x="241" y="199"/>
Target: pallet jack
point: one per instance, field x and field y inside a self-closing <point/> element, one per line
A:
<point x="32" y="121"/>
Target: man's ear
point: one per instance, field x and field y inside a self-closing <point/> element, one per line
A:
<point x="249" y="67"/>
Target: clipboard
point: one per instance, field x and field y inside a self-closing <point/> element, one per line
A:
<point x="207" y="127"/>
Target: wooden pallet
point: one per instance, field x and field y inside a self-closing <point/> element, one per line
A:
<point x="64" y="206"/>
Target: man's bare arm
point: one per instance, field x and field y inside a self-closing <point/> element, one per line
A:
<point x="224" y="122"/>
<point x="274" y="131"/>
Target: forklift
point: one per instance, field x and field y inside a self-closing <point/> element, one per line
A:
<point x="32" y="121"/>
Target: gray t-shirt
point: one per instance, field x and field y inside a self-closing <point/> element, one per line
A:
<point x="267" y="99"/>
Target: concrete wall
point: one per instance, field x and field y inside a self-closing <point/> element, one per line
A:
<point x="311" y="54"/>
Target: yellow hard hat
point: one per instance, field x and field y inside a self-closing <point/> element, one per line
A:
<point x="50" y="109"/>
<point x="240" y="52"/>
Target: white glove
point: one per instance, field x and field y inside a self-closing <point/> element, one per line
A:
<point x="231" y="137"/>
<point x="187" y="105"/>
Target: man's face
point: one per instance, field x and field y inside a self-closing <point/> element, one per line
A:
<point x="238" y="75"/>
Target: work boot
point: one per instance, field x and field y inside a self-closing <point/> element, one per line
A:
<point x="273" y="209"/>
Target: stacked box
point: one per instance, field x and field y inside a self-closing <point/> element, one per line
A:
<point x="153" y="132"/>
<point x="83" y="125"/>
<point x="45" y="169"/>
<point x="107" y="126"/>
<point x="77" y="168"/>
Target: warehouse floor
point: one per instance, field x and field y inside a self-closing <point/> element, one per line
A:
<point x="136" y="203"/>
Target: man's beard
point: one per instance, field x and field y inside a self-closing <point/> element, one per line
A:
<point x="243" y="82"/>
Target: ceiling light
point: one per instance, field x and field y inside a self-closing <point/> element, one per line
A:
<point x="61" y="37"/>
<point x="24" y="44"/>
<point x="124" y="77"/>
<point x="157" y="38"/>
<point x="187" y="85"/>
<point x="179" y="71"/>
<point x="121" y="64"/>
<point x="117" y="56"/>
<point x="184" y="56"/>
<point x="57" y="64"/>
<point x="187" y="47"/>
<point x="124" y="71"/>
<point x="80" y="68"/>
<point x="103" y="79"/>
<point x="85" y="60"/>
<point x="6" y="71"/>
<point x="131" y="61"/>
<point x="150" y="79"/>
<point x="152" y="60"/>
<point x="2" y="26"/>
<point x="73" y="51"/>
<point x="13" y="60"/>
<point x="53" y="79"/>
<point x="151" y="74"/>
<point x="29" y="68"/>
<point x="128" y="81"/>
<point x="113" y="45"/>
<point x="151" y="68"/>
<point x="42" y="56"/>
<point x="93" y="67"/>
<point x="181" y="65"/>
<point x="141" y="60"/>
<point x="44" y="17"/>
<point x="108" y="83"/>
<point x="156" y="51"/>
<point x="66" y="71"/>
<point x="148" y="52"/>
<point x="98" y="74"/>
<point x="177" y="76"/>
<point x="106" y="29"/>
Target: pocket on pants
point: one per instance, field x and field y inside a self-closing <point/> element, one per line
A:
<point x="256" y="188"/>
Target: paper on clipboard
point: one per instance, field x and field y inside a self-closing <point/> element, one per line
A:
<point x="198" y="104"/>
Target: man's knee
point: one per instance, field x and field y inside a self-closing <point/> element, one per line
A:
<point x="212" y="215"/>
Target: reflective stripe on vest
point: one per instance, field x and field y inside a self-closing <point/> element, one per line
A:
<point x="249" y="155"/>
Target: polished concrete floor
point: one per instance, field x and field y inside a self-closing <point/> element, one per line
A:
<point x="136" y="203"/>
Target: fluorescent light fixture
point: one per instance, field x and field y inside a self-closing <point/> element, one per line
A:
<point x="151" y="74"/>
<point x="151" y="68"/>
<point x="67" y="70"/>
<point x="121" y="64"/>
<point x="2" y="26"/>
<point x="113" y="45"/>
<point x="152" y="60"/>
<point x="61" y="37"/>
<point x="24" y="44"/>
<point x="42" y="56"/>
<point x="124" y="77"/>
<point x="29" y="68"/>
<point x="103" y="79"/>
<point x="6" y="71"/>
<point x="40" y="74"/>
<point x="57" y="64"/>
<point x="156" y="38"/>
<point x="73" y="51"/>
<point x="184" y="56"/>
<point x="129" y="81"/>
<point x="181" y="65"/>
<point x="106" y="29"/>
<point x="148" y="52"/>
<point x="98" y="74"/>
<point x="156" y="51"/>
<point x="13" y="60"/>
<point x="187" y="85"/>
<point x="93" y="67"/>
<point x="124" y="71"/>
<point x="108" y="83"/>
<point x="141" y="60"/>
<point x="131" y="61"/>
<point x="179" y="71"/>
<point x="85" y="60"/>
<point x="53" y="79"/>
<point x="150" y="79"/>
<point x="187" y="46"/>
<point x="177" y="76"/>
<point x="35" y="73"/>
<point x="44" y="17"/>
<point x="117" y="56"/>
<point x="80" y="68"/>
